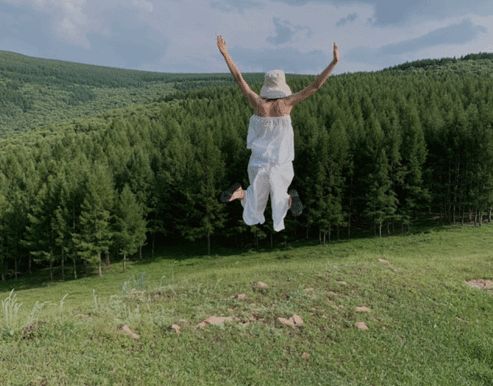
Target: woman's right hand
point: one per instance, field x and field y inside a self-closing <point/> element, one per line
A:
<point x="221" y="44"/>
<point x="335" y="52"/>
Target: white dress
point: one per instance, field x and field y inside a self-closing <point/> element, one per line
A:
<point x="270" y="169"/>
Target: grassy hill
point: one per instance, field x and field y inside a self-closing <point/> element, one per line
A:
<point x="37" y="92"/>
<point x="425" y="324"/>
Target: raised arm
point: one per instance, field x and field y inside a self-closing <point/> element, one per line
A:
<point x="245" y="88"/>
<point x="308" y="91"/>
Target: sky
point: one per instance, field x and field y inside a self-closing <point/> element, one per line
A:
<point x="293" y="35"/>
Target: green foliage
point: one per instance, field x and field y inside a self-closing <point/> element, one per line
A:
<point x="94" y="237"/>
<point x="374" y="152"/>
<point x="130" y="225"/>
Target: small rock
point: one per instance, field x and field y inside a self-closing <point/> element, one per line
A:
<point x="127" y="331"/>
<point x="215" y="321"/>
<point x="361" y="326"/>
<point x="286" y="322"/>
<point x="176" y="328"/>
<point x="294" y="321"/>
<point x="201" y="325"/>
<point x="240" y="296"/>
<point x="305" y="355"/>
<point x="298" y="322"/>
<point x="362" y="309"/>
<point x="260" y="286"/>
<point x="480" y="283"/>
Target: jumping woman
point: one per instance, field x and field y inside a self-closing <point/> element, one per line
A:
<point x="270" y="138"/>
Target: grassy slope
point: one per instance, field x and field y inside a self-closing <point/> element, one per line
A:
<point x="425" y="326"/>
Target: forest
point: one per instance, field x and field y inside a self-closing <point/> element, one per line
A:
<point x="38" y="93"/>
<point x="376" y="154"/>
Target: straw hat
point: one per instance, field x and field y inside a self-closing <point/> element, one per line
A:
<point x="275" y="85"/>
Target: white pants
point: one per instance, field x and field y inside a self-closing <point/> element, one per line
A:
<point x="267" y="178"/>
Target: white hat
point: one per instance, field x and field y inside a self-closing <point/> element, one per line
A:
<point x="275" y="85"/>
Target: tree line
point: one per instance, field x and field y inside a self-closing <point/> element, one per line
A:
<point x="375" y="153"/>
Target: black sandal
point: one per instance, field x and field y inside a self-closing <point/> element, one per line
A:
<point x="296" y="205"/>
<point x="226" y="195"/>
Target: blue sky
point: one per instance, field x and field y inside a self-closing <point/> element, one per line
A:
<point x="295" y="35"/>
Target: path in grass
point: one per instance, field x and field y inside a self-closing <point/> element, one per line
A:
<point x="425" y="325"/>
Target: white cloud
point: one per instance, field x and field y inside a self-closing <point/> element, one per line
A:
<point x="457" y="34"/>
<point x="66" y="18"/>
<point x="73" y="24"/>
<point x="179" y="35"/>
<point x="73" y="20"/>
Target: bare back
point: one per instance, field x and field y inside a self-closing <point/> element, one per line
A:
<point x="272" y="107"/>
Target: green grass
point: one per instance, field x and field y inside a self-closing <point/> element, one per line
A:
<point x="426" y="326"/>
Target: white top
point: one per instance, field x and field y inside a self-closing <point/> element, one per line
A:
<point x="271" y="139"/>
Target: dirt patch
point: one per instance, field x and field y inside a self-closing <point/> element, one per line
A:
<point x="175" y="328"/>
<point x="260" y="286"/>
<point x="216" y="321"/>
<point x="32" y="330"/>
<point x="125" y="329"/>
<point x="480" y="283"/>
<point x="294" y="321"/>
<point x="361" y="326"/>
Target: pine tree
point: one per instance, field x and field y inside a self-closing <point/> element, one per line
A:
<point x="338" y="150"/>
<point x="39" y="235"/>
<point x="414" y="195"/>
<point x="3" y="211"/>
<point x="381" y="201"/>
<point x="61" y="229"/>
<point x="130" y="225"/>
<point x="204" y="213"/>
<point x="95" y="236"/>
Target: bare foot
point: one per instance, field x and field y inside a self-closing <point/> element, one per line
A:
<point x="237" y="195"/>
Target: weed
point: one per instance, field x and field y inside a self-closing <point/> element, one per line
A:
<point x="10" y="309"/>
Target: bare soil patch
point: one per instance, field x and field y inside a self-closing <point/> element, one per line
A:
<point x="480" y="283"/>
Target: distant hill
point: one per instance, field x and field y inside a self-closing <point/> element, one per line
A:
<point x="36" y="92"/>
<point x="481" y="63"/>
